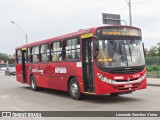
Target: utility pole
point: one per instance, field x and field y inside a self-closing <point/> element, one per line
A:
<point x="20" y="30"/>
<point x="130" y="12"/>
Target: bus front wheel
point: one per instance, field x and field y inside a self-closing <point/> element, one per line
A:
<point x="74" y="89"/>
<point x="33" y="84"/>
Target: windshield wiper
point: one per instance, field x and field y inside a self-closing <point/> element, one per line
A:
<point x="113" y="43"/>
<point x="130" y="53"/>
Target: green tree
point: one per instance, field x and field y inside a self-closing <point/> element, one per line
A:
<point x="11" y="61"/>
<point x="4" y="57"/>
<point x="153" y="51"/>
<point x="146" y="52"/>
<point x="158" y="51"/>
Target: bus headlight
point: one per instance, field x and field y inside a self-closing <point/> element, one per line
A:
<point x="143" y="77"/>
<point x="105" y="79"/>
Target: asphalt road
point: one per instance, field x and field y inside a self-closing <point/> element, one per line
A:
<point x="15" y="96"/>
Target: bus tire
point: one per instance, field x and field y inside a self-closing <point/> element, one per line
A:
<point x="33" y="84"/>
<point x="74" y="90"/>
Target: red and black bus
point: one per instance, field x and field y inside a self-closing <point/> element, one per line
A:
<point x="100" y="60"/>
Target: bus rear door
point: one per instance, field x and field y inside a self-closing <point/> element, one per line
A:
<point x="21" y="65"/>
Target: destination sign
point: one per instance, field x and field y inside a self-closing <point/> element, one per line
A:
<point x="119" y="31"/>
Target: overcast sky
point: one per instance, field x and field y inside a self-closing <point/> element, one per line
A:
<point x="42" y="19"/>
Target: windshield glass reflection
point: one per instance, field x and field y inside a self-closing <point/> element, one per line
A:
<point x="120" y="53"/>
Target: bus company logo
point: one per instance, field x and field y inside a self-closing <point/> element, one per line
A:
<point x="60" y="70"/>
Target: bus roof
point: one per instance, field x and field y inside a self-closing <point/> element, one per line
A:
<point x="70" y="35"/>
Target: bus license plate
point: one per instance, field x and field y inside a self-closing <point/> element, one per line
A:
<point x="128" y="86"/>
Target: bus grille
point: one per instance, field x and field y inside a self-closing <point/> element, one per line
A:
<point x="126" y="71"/>
<point x="122" y="87"/>
<point x="126" y="80"/>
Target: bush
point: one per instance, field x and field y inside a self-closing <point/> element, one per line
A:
<point x="153" y="68"/>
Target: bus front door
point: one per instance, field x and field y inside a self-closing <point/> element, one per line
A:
<point x="88" y="71"/>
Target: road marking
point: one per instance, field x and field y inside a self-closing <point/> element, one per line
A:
<point x="6" y="96"/>
<point x="16" y="108"/>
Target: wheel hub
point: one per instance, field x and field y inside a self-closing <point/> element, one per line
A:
<point x="33" y="84"/>
<point x="74" y="89"/>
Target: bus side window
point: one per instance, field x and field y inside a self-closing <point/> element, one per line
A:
<point x="72" y="49"/>
<point x="56" y="51"/>
<point x="29" y="55"/>
<point x="19" y="56"/>
<point x="45" y="53"/>
<point x="35" y="54"/>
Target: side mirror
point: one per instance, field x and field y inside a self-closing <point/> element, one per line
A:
<point x="144" y="50"/>
<point x="96" y="45"/>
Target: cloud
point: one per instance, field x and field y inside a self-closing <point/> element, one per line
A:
<point x="42" y="19"/>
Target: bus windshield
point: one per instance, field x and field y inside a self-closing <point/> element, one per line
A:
<point x="120" y="53"/>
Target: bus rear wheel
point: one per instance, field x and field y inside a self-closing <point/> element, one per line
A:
<point x="33" y="84"/>
<point x="74" y="89"/>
